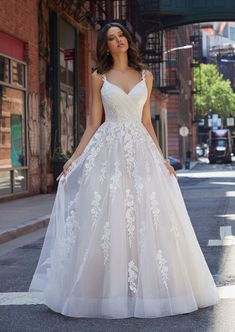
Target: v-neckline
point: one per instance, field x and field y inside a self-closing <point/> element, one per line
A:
<point x="126" y="93"/>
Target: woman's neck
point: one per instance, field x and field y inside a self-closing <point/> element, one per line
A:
<point x="120" y="62"/>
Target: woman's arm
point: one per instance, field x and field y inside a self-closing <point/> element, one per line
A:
<point x="147" y="122"/>
<point x="95" y="119"/>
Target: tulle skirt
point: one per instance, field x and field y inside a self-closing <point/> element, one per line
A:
<point x="120" y="242"/>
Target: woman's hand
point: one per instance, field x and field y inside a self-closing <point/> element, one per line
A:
<point x="67" y="165"/>
<point x="65" y="169"/>
<point x="170" y="168"/>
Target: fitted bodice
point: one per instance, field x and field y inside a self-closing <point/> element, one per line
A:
<point x="122" y="106"/>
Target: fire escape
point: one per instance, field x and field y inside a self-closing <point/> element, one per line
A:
<point x="143" y="19"/>
<point x="153" y="43"/>
<point x="123" y="11"/>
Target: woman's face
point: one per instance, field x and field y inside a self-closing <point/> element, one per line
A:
<point x="116" y="41"/>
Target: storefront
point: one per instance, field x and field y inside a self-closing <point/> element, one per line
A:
<point x="13" y="139"/>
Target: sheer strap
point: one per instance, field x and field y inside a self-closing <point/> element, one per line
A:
<point x="144" y="74"/>
<point x="103" y="77"/>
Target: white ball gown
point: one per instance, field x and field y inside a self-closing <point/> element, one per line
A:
<point x="120" y="242"/>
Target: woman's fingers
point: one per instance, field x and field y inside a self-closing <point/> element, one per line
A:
<point x="58" y="177"/>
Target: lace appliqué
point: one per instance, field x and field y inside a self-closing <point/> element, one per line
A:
<point x="154" y="206"/>
<point x="106" y="244"/>
<point x="130" y="216"/>
<point x="162" y="267"/>
<point x="95" y="208"/>
<point x="138" y="184"/>
<point x="90" y="160"/>
<point x="132" y="276"/>
<point x="128" y="147"/>
<point x="142" y="234"/>
<point x="115" y="180"/>
<point x="103" y="172"/>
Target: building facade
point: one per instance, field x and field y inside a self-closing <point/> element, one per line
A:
<point x="46" y="54"/>
<point x="178" y="58"/>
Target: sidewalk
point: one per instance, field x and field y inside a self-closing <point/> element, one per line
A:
<point x="25" y="215"/>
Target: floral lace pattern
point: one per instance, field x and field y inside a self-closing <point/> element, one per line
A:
<point x="142" y="235"/>
<point x="115" y="180"/>
<point x="128" y="147"/>
<point x="132" y="276"/>
<point x="95" y="208"/>
<point x="94" y="151"/>
<point x="154" y="206"/>
<point x="130" y="216"/>
<point x="138" y="184"/>
<point x="106" y="244"/>
<point x="103" y="172"/>
<point x="162" y="267"/>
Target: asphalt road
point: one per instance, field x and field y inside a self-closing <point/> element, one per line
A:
<point x="209" y="192"/>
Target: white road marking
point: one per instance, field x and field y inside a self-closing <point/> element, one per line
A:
<point x="226" y="237"/>
<point x="32" y="298"/>
<point x="21" y="298"/>
<point x="227" y="216"/>
<point x="227" y="292"/>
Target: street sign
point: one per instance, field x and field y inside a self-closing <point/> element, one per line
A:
<point x="184" y="131"/>
<point x="69" y="54"/>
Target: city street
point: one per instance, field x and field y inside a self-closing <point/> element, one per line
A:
<point x="209" y="193"/>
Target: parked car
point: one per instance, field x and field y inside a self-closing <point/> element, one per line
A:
<point x="175" y="163"/>
<point x="220" y="146"/>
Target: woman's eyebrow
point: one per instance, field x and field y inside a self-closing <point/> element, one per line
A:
<point x="113" y="34"/>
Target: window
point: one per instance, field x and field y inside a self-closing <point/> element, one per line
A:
<point x="13" y="157"/>
<point x="4" y="69"/>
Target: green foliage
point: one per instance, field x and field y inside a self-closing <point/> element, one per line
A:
<point x="213" y="92"/>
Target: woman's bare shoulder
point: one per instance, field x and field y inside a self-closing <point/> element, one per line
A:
<point x="96" y="78"/>
<point x="148" y="74"/>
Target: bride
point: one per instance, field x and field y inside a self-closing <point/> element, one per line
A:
<point x="120" y="242"/>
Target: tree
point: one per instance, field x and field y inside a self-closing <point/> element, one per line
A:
<point x="213" y="92"/>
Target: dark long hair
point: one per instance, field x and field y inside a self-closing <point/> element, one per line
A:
<point x="105" y="61"/>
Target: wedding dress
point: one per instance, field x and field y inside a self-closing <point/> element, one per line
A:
<point x="120" y="242"/>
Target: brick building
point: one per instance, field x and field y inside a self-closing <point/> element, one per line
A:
<point x="46" y="52"/>
<point x="180" y="108"/>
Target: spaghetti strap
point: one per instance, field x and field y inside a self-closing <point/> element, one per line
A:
<point x="103" y="76"/>
<point x="143" y="74"/>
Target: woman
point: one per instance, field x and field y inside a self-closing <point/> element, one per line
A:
<point x="119" y="242"/>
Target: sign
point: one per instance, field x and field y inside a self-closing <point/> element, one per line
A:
<point x="184" y="131"/>
<point x="69" y="54"/>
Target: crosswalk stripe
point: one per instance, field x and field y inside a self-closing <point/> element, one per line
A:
<point x="226" y="237"/>
<point x="21" y="298"/>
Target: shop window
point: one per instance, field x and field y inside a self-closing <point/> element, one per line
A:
<point x="13" y="161"/>
<point x="18" y="72"/>
<point x="4" y="69"/>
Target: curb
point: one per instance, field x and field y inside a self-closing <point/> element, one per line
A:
<point x="23" y="229"/>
